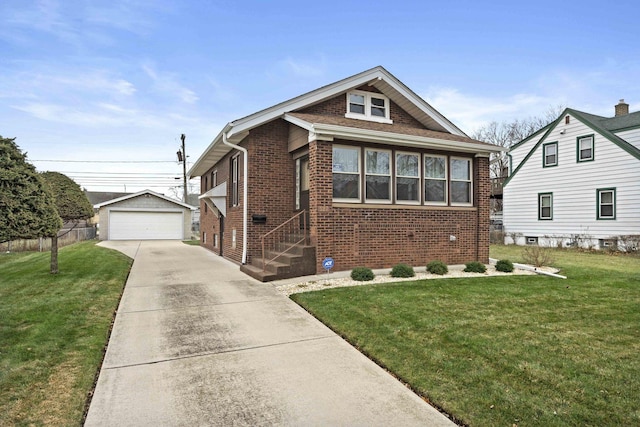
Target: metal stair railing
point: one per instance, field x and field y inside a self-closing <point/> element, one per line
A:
<point x="295" y="225"/>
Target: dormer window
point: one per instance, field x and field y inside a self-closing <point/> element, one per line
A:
<point x="368" y="106"/>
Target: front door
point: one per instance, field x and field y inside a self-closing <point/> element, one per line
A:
<point x="302" y="186"/>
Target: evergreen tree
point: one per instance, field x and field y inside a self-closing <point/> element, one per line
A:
<point x="72" y="205"/>
<point x="27" y="208"/>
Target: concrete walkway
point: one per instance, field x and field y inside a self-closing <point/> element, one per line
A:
<point x="195" y="342"/>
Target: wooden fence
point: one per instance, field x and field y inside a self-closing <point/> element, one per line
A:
<point x="65" y="237"/>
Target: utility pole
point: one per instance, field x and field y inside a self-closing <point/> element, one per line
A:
<point x="182" y="156"/>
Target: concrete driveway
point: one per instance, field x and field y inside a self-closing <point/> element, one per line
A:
<point x="196" y="342"/>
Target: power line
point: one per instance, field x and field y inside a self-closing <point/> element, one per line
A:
<point x="122" y="173"/>
<point x="105" y="161"/>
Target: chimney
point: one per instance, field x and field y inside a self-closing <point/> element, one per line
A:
<point x="622" y="109"/>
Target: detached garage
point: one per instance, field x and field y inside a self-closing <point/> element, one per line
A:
<point x="146" y="215"/>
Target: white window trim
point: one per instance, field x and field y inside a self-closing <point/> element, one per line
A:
<point x="367" y="107"/>
<point x="470" y="181"/>
<point x="445" y="179"/>
<point x="544" y="154"/>
<point x="359" y="173"/>
<point x="540" y="207"/>
<point x="601" y="204"/>
<point x="214" y="178"/>
<point x="419" y="177"/>
<point x="389" y="175"/>
<point x="592" y="148"/>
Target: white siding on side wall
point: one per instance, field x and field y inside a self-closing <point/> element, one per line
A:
<point x="574" y="188"/>
<point x="631" y="136"/>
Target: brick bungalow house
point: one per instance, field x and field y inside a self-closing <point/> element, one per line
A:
<point x="362" y="170"/>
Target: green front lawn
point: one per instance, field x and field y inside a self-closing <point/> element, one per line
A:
<point x="511" y="350"/>
<point x="53" y="329"/>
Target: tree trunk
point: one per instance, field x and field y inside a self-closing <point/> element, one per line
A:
<point x="54" y="254"/>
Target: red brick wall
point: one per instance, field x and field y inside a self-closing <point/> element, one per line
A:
<point x="381" y="237"/>
<point x="482" y="196"/>
<point x="209" y="222"/>
<point x="271" y="180"/>
<point x="337" y="106"/>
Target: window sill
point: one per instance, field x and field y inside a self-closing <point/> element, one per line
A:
<point x="368" y="118"/>
<point x="336" y="204"/>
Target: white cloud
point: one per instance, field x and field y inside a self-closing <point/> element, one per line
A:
<point x="470" y="112"/>
<point x="167" y="84"/>
<point x="303" y="69"/>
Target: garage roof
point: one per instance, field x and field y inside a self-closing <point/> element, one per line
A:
<point x="141" y="193"/>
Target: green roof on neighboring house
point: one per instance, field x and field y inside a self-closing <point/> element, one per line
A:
<point x="603" y="125"/>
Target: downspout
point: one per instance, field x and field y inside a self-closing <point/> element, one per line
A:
<point x="244" y="194"/>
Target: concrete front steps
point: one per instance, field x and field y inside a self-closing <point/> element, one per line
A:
<point x="299" y="260"/>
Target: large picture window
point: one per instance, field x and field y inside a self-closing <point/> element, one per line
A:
<point x="407" y="178"/>
<point x="435" y="179"/>
<point x="545" y="206"/>
<point x="385" y="176"/>
<point x="460" y="181"/>
<point x="346" y="173"/>
<point x="378" y="176"/>
<point x="606" y="203"/>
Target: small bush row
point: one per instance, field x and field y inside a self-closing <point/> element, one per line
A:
<point x="363" y="274"/>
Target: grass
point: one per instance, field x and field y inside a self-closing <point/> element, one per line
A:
<point x="510" y="350"/>
<point x="53" y="329"/>
<point x="191" y="242"/>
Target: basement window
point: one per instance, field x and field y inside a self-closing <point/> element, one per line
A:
<point x="368" y="106"/>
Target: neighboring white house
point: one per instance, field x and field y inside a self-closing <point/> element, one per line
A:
<point x="576" y="182"/>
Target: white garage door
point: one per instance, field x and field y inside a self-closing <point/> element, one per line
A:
<point x="143" y="225"/>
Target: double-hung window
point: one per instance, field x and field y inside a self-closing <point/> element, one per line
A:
<point x="545" y="206"/>
<point x="346" y="173"/>
<point x="585" y="148"/>
<point x="377" y="175"/>
<point x="407" y="178"/>
<point x="368" y="106"/>
<point x="606" y="200"/>
<point x="235" y="196"/>
<point x="461" y="181"/>
<point x="435" y="179"/>
<point x="550" y="154"/>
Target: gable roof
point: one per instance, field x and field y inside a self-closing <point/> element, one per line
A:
<point x="376" y="77"/>
<point x="599" y="124"/>
<point x="141" y="193"/>
<point x="96" y="197"/>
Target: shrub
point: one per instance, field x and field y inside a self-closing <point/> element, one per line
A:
<point x="402" y="270"/>
<point x="362" y="274"/>
<point x="504" y="265"/>
<point x="437" y="267"/>
<point x="537" y="256"/>
<point x="475" y="267"/>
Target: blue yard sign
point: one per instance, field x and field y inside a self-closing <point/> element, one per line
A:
<point x="327" y="263"/>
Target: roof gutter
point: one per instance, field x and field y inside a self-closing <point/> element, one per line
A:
<point x="244" y="193"/>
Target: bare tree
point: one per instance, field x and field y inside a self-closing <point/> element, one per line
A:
<point x="506" y="134"/>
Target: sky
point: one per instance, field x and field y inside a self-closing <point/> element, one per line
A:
<point x="102" y="90"/>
